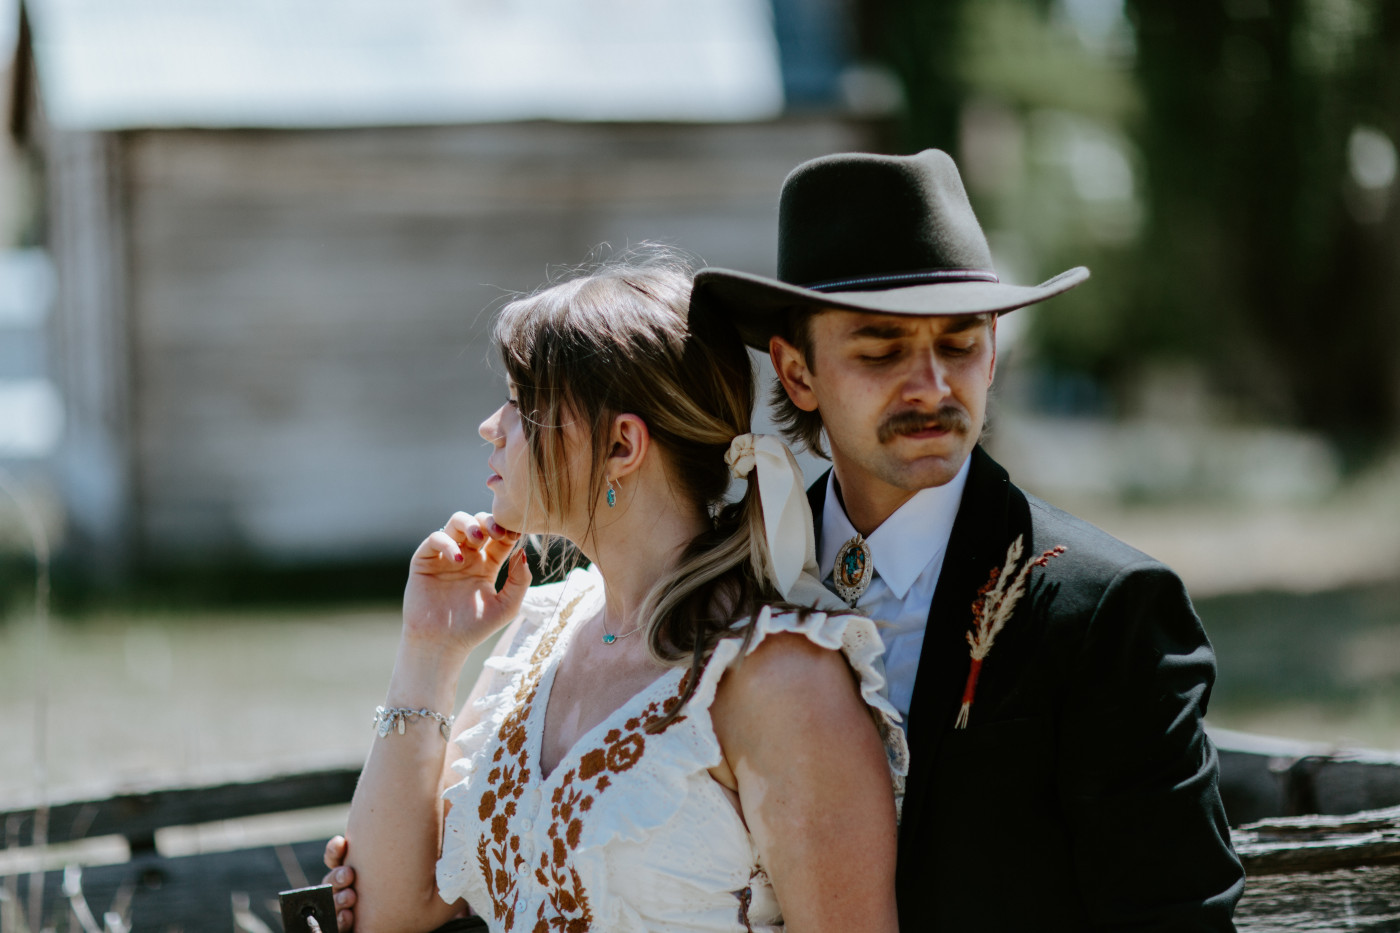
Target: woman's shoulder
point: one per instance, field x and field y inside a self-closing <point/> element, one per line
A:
<point x="783" y="664"/>
<point x="797" y="657"/>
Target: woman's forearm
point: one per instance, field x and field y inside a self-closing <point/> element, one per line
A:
<point x="396" y="817"/>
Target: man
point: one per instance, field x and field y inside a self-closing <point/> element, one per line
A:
<point x="1060" y="777"/>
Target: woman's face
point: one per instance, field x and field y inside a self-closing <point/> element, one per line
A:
<point x="509" y="463"/>
<point x="512" y="470"/>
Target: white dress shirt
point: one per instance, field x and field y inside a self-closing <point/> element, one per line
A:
<point x="907" y="551"/>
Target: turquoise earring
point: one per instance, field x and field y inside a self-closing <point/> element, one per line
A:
<point x="612" y="494"/>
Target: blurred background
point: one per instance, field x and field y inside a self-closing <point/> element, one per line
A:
<point x="250" y="254"/>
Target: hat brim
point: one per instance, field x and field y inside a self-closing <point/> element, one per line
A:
<point x="756" y="304"/>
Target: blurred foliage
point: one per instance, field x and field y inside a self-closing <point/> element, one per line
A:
<point x="1253" y="109"/>
<point x="1225" y="168"/>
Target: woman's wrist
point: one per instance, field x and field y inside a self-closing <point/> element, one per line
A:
<point x="424" y="677"/>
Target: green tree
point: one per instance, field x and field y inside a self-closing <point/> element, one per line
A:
<point x="1269" y="245"/>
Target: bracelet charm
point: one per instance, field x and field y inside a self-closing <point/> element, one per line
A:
<point x="397" y="717"/>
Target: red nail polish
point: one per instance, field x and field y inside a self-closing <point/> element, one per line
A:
<point x="458" y="558"/>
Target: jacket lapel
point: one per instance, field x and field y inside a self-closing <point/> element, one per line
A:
<point x="977" y="544"/>
<point x="991" y="514"/>
<point x="816" y="498"/>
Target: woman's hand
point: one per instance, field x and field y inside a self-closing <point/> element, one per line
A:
<point x="451" y="602"/>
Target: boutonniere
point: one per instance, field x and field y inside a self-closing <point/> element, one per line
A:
<point x="996" y="600"/>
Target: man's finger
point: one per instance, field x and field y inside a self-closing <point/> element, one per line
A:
<point x="334" y="856"/>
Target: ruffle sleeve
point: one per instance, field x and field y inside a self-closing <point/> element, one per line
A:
<point x="856" y="637"/>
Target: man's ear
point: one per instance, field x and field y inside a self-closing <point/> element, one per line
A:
<point x="630" y="440"/>
<point x="992" y="374"/>
<point x="793" y="372"/>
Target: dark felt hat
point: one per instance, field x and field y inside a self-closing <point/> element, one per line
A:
<point x="862" y="232"/>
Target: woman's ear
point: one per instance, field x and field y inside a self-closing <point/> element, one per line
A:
<point x="631" y="439"/>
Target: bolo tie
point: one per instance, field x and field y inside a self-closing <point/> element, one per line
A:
<point x="855" y="567"/>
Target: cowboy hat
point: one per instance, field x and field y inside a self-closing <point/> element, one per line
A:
<point x="877" y="233"/>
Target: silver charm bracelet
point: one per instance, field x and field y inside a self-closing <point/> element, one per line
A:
<point x="397" y="718"/>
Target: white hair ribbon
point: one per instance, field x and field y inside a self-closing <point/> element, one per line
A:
<point x="787" y="519"/>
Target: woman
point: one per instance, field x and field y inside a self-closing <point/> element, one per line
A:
<point x="618" y="767"/>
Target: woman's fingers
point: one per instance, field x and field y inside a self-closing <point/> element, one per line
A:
<point x="464" y="534"/>
<point x="466" y="529"/>
<point x="517" y="581"/>
<point x="500" y="542"/>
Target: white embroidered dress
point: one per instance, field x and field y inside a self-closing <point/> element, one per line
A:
<point x="629" y="832"/>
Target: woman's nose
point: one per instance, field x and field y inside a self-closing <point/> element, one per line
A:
<point x="490" y="429"/>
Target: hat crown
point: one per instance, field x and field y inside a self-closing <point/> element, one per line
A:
<point x="857" y="215"/>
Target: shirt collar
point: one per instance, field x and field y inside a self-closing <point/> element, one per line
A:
<point x="905" y="543"/>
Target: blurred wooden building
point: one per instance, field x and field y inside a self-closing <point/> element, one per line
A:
<point x="280" y="231"/>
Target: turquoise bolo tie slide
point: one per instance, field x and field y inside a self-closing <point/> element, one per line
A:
<point x="854" y="569"/>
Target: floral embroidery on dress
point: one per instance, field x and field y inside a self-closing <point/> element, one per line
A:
<point x="622" y="748"/>
<point x="499" y="855"/>
<point x="566" y="907"/>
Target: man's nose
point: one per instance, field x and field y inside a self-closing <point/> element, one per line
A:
<point x="927" y="380"/>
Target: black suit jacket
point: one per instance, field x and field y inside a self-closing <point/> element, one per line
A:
<point x="1082" y="795"/>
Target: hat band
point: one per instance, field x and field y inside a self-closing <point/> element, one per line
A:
<point x="904" y="279"/>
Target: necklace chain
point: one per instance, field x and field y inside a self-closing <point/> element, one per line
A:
<point x="608" y="637"/>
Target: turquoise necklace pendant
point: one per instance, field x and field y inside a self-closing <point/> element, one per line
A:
<point x="854" y="569"/>
<point x="609" y="638"/>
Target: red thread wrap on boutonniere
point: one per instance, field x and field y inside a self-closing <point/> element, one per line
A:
<point x="996" y="600"/>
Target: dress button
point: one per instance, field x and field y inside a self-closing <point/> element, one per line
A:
<point x="526" y="825"/>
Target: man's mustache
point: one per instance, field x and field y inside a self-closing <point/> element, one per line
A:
<point x="947" y="418"/>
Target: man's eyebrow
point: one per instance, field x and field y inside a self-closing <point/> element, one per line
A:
<point x="880" y="331"/>
<point x="889" y="330"/>
<point x="960" y="324"/>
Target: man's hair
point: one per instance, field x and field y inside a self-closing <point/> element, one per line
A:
<point x="801" y="429"/>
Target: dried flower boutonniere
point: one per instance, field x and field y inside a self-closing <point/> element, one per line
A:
<point x="996" y="600"/>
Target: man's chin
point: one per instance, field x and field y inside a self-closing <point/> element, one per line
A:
<point x="936" y="468"/>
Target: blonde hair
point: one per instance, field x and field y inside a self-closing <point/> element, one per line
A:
<point x="617" y="340"/>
